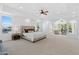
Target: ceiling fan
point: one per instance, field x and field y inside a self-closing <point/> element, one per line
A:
<point x="44" y="12"/>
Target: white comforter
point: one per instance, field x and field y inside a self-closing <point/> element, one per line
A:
<point x="34" y="36"/>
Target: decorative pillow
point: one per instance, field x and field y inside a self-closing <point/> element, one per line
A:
<point x="30" y="31"/>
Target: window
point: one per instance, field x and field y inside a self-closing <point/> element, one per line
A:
<point x="6" y="24"/>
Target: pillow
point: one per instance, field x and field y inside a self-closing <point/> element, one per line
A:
<point x="29" y="31"/>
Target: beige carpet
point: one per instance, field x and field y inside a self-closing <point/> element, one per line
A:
<point x="52" y="45"/>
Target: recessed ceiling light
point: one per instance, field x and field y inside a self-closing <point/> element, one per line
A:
<point x="73" y="12"/>
<point x="20" y="7"/>
<point x="27" y="20"/>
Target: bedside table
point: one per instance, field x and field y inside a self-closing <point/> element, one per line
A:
<point x="16" y="36"/>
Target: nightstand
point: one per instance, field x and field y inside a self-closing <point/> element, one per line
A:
<point x="16" y="36"/>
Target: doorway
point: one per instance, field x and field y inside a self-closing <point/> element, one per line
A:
<point x="62" y="27"/>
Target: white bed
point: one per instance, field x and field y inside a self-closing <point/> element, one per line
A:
<point x="34" y="36"/>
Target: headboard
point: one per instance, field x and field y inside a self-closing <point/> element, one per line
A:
<point x="26" y="29"/>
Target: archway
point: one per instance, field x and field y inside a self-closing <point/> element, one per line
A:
<point x="60" y="27"/>
<point x="63" y="27"/>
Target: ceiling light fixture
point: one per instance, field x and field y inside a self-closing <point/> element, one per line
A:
<point x="20" y="7"/>
<point x="43" y="12"/>
<point x="27" y="20"/>
<point x="73" y="12"/>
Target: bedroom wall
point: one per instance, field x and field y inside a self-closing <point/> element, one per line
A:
<point x="18" y="21"/>
<point x="4" y="36"/>
<point x="32" y="12"/>
<point x="15" y="21"/>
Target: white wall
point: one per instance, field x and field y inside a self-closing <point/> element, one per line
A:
<point x="4" y="36"/>
<point x="15" y="21"/>
<point x="32" y="11"/>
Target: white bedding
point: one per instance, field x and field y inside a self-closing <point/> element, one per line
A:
<point x="34" y="36"/>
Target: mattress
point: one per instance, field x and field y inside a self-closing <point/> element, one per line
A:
<point x="34" y="36"/>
